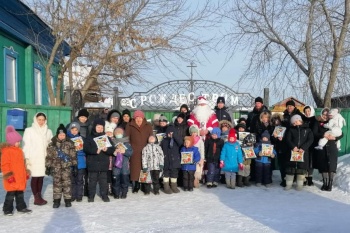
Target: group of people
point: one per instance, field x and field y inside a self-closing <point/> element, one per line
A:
<point x="121" y="149"/>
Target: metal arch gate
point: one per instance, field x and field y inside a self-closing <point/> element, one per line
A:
<point x="171" y="95"/>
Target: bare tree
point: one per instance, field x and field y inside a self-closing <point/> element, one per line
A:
<point x="292" y="45"/>
<point x="118" y="38"/>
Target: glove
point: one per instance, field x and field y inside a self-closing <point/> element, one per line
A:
<point x="48" y="171"/>
<point x="27" y="176"/>
<point x="74" y="171"/>
<point x="222" y="164"/>
<point x="161" y="167"/>
<point x="241" y="167"/>
<point x="11" y="179"/>
<point x="145" y="169"/>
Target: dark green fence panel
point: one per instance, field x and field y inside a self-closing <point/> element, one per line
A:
<point x="55" y="116"/>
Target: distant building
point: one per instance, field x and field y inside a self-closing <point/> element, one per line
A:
<point x="24" y="41"/>
<point x="281" y="106"/>
<point x="341" y="102"/>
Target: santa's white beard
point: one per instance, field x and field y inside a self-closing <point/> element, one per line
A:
<point x="202" y="113"/>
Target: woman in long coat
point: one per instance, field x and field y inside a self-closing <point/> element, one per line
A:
<point x="138" y="131"/>
<point x="327" y="158"/>
<point x="35" y="141"/>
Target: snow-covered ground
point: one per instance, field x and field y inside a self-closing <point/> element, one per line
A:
<point x="250" y="209"/>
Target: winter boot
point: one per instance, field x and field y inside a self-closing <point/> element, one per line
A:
<point x="309" y="181"/>
<point x="56" y="203"/>
<point x="25" y="211"/>
<point x="68" y="202"/>
<point x="173" y="185"/>
<point x="38" y="200"/>
<point x="228" y="183"/>
<point x="239" y="181"/>
<point x="233" y="182"/>
<point x="246" y="181"/>
<point x="300" y="182"/>
<point x="91" y="198"/>
<point x="330" y="182"/>
<point x="136" y="187"/>
<point x="105" y="199"/>
<point x="166" y="184"/>
<point x="209" y="185"/>
<point x="289" y="182"/>
<point x="215" y="184"/>
<point x="325" y="181"/>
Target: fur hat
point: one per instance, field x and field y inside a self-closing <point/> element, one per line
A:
<point x="202" y="100"/>
<point x="83" y="112"/>
<point x="259" y="100"/>
<point x="225" y="123"/>
<point x="220" y="99"/>
<point x="12" y="136"/>
<point x="189" y="138"/>
<point x="74" y="125"/>
<point x="295" y="118"/>
<point x="232" y="133"/>
<point x="61" y="129"/>
<point x="216" y="131"/>
<point x="290" y="102"/>
<point x="193" y="129"/>
<point x="139" y="113"/>
<point x="276" y="119"/>
<point x="163" y="118"/>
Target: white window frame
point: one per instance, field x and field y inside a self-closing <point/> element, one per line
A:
<point x="38" y="85"/>
<point x="11" y="56"/>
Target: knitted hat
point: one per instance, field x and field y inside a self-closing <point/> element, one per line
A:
<point x="127" y="112"/>
<point x="220" y="99"/>
<point x="109" y="127"/>
<point x="74" y="125"/>
<point x="182" y="115"/>
<point x="259" y="100"/>
<point x="83" y="112"/>
<point x="193" y="129"/>
<point x="202" y="100"/>
<point x="99" y="121"/>
<point x="240" y="125"/>
<point x="295" y="118"/>
<point x="115" y="114"/>
<point x="290" y="102"/>
<point x="266" y="134"/>
<point x="118" y="129"/>
<point x="241" y="119"/>
<point x="12" y="136"/>
<point x="61" y="129"/>
<point x="189" y="138"/>
<point x="216" y="131"/>
<point x="232" y="133"/>
<point x="163" y="118"/>
<point x="139" y="113"/>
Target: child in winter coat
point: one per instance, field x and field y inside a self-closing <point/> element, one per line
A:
<point x="231" y="159"/>
<point x="263" y="162"/>
<point x="77" y="176"/>
<point x="213" y="147"/>
<point x="61" y="157"/>
<point x="97" y="161"/>
<point x="152" y="161"/>
<point x="198" y="142"/>
<point x="109" y="129"/>
<point x="14" y="172"/>
<point x="244" y="174"/>
<point x="225" y="127"/>
<point x="121" y="170"/>
<point x="188" y="170"/>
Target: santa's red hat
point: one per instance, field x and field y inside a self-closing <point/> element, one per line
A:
<point x="202" y="100"/>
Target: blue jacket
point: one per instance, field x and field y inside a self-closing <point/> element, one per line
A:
<point x="196" y="158"/>
<point x="231" y="155"/>
<point x="81" y="157"/>
<point x="262" y="159"/>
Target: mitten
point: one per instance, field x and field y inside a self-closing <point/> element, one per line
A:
<point x="222" y="164"/>
<point x="74" y="171"/>
<point x="145" y="169"/>
<point x="11" y="179"/>
<point x="240" y="166"/>
<point x="48" y="171"/>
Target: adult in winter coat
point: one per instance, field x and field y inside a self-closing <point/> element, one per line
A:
<point x="220" y="110"/>
<point x="290" y="111"/>
<point x="113" y="118"/>
<point x="254" y="116"/>
<point x="61" y="157"/>
<point x="97" y="161"/>
<point x="84" y="122"/>
<point x="327" y="158"/>
<point x="138" y="131"/>
<point x="125" y="119"/>
<point x="299" y="138"/>
<point x="35" y="141"/>
<point x="180" y="126"/>
<point x="310" y="120"/>
<point x="185" y="110"/>
<point x="14" y="172"/>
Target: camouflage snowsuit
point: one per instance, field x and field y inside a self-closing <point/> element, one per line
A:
<point x="61" y="163"/>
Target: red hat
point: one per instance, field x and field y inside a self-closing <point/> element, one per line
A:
<point x="232" y="133"/>
<point x="139" y="113"/>
<point x="12" y="136"/>
<point x="202" y="100"/>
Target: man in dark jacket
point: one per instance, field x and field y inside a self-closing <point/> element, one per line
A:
<point x="254" y="116"/>
<point x="290" y="111"/>
<point x="220" y="110"/>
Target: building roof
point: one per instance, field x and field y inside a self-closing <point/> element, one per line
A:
<point x="19" y="21"/>
<point x="281" y="106"/>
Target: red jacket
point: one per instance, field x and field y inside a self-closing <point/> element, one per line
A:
<point x="210" y="124"/>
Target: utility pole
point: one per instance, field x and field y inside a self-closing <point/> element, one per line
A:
<point x="191" y="80"/>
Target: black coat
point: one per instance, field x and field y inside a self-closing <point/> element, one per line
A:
<point x="302" y="138"/>
<point x="172" y="157"/>
<point x="287" y="116"/>
<point x="210" y="157"/>
<point x="325" y="160"/>
<point x="254" y="117"/>
<point x="96" y="162"/>
<point x="260" y="128"/>
<point x="182" y="129"/>
<point x="222" y="114"/>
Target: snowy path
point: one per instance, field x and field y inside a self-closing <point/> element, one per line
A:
<point x="216" y="210"/>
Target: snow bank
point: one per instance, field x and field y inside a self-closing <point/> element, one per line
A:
<point x="342" y="178"/>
